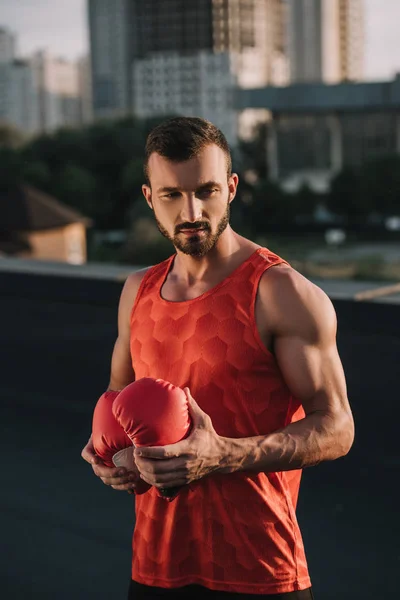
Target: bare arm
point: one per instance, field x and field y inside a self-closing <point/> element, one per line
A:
<point x="121" y="364"/>
<point x="303" y="323"/>
<point x="122" y="374"/>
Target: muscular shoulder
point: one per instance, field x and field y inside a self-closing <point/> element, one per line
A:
<point x="133" y="281"/>
<point x="129" y="292"/>
<point x="296" y="306"/>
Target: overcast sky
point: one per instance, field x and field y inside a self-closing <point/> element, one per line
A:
<point x="61" y="27"/>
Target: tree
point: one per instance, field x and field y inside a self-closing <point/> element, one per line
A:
<point x="10" y="136"/>
<point x="132" y="179"/>
<point x="11" y="168"/>
<point x="253" y="153"/>
<point x="267" y="206"/>
<point x="77" y="188"/>
<point x="304" y="204"/>
<point x="346" y="197"/>
<point x="380" y="184"/>
<point x="37" y="174"/>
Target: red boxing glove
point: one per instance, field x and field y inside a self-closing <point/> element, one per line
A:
<point x="153" y="412"/>
<point x="110" y="441"/>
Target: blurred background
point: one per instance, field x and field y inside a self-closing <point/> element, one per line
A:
<point x="307" y="93"/>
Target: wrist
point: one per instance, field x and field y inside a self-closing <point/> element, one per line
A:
<point x="236" y="454"/>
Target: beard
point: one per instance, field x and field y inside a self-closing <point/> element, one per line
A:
<point x="198" y="245"/>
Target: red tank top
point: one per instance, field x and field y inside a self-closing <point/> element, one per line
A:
<point x="235" y="532"/>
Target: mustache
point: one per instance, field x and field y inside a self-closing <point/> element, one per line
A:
<point x="198" y="225"/>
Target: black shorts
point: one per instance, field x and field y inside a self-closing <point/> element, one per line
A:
<point x="197" y="592"/>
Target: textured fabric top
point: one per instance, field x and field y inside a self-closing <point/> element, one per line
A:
<point x="235" y="532"/>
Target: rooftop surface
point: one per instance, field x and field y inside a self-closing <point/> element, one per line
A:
<point x="67" y="536"/>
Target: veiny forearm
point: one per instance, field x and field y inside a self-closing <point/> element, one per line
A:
<point x="316" y="438"/>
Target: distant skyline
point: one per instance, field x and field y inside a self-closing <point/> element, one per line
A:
<point x="62" y="29"/>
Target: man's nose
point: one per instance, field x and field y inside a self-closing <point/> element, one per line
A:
<point x="192" y="209"/>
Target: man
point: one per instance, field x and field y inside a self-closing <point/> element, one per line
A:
<point x="253" y="343"/>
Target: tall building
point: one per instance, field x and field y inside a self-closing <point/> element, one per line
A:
<point x="325" y="40"/>
<point x="111" y="47"/>
<point x="132" y="41"/>
<point x="7" y="45"/>
<point x="85" y="89"/>
<point x="19" y="96"/>
<point x="59" y="92"/>
<point x="352" y="39"/>
<point x="252" y="30"/>
<point x="190" y="85"/>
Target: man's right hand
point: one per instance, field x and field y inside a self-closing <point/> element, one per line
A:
<point x="117" y="477"/>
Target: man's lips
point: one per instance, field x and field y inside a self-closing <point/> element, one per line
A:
<point x="191" y="231"/>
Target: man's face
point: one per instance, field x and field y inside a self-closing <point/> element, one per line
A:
<point x="191" y="200"/>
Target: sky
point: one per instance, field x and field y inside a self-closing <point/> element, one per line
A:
<point x="61" y="27"/>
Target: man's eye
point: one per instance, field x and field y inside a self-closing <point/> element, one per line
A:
<point x="171" y="195"/>
<point x="208" y="192"/>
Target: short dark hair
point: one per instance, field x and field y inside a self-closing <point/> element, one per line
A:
<point x="181" y="138"/>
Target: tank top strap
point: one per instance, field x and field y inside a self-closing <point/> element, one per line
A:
<point x="152" y="278"/>
<point x="262" y="260"/>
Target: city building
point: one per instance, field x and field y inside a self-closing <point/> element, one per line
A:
<point x="251" y="30"/>
<point x="19" y="96"/>
<point x="59" y="92"/>
<point x="112" y="39"/>
<point x="7" y="45"/>
<point x="85" y="90"/>
<point x="315" y="130"/>
<point x="131" y="40"/>
<point x="198" y="85"/>
<point x="325" y="40"/>
<point x="352" y="39"/>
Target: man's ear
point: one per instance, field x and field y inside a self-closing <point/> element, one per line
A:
<point x="232" y="185"/>
<point x="146" y="189"/>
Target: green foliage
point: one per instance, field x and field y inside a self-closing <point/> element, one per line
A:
<point x="10" y="136"/>
<point x="77" y="187"/>
<point x="132" y="178"/>
<point x="374" y="187"/>
<point x="11" y="168"/>
<point x="268" y="206"/>
<point x="252" y="154"/>
<point x="305" y="202"/>
<point x="346" y="197"/>
<point x="37" y="174"/>
<point x="380" y="185"/>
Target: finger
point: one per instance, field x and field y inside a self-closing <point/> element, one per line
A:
<point x="125" y="479"/>
<point x="126" y="487"/>
<point x="188" y="393"/>
<point x="156" y="467"/>
<point x="118" y="481"/>
<point x="166" y="480"/>
<point x="196" y="413"/>
<point x="153" y="452"/>
<point x="161" y="452"/>
<point x="102" y="471"/>
<point x="89" y="455"/>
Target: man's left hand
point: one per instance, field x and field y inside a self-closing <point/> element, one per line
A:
<point x="194" y="457"/>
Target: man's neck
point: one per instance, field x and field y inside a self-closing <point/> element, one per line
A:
<point x="226" y="253"/>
